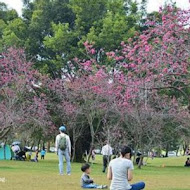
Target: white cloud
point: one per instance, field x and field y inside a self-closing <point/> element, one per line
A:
<point x="153" y="5"/>
<point x="15" y="4"/>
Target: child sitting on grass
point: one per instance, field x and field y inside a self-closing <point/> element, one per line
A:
<point x="187" y="163"/>
<point x="86" y="181"/>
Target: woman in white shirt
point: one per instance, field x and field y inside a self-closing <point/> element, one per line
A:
<point x="120" y="172"/>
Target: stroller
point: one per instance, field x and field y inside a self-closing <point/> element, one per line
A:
<point x="21" y="156"/>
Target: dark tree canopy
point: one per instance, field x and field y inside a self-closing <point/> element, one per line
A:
<point x="53" y="32"/>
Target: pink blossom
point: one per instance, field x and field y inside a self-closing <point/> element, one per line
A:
<point x="119" y="58"/>
<point x="110" y="54"/>
<point x="125" y="65"/>
<point x="122" y="43"/>
<point x="165" y="70"/>
<point x="93" y="51"/>
<point x="132" y="65"/>
<point x="86" y="43"/>
<point x="147" y="48"/>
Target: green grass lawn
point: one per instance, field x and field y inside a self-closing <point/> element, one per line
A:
<point x="159" y="174"/>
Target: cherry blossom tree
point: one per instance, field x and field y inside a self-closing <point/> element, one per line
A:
<point x="22" y="103"/>
<point x="140" y="93"/>
<point x="152" y="64"/>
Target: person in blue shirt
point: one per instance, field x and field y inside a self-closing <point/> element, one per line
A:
<point x="43" y="153"/>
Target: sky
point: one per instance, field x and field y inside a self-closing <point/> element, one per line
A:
<point x="153" y="5"/>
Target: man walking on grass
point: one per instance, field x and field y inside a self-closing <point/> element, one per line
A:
<point x="107" y="153"/>
<point x="63" y="149"/>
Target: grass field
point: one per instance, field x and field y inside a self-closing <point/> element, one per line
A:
<point x="159" y="174"/>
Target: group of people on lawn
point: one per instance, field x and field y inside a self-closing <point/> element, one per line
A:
<point x="25" y="154"/>
<point x="120" y="170"/>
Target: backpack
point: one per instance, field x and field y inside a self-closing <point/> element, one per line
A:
<point x="63" y="143"/>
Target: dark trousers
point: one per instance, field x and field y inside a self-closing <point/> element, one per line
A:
<point x="106" y="160"/>
<point x="42" y="157"/>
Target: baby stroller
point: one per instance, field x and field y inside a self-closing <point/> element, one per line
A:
<point x="21" y="156"/>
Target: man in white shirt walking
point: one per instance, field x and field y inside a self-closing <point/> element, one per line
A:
<point x="107" y="153"/>
<point x="63" y="149"/>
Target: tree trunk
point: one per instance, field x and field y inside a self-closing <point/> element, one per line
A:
<point x="81" y="145"/>
<point x="48" y="146"/>
<point x="74" y="150"/>
<point x="167" y="150"/>
<point x="92" y="141"/>
<point x="43" y="145"/>
<point x="90" y="151"/>
<point x="38" y="146"/>
<point x="134" y="156"/>
<point x="184" y="149"/>
<point x="79" y="151"/>
<point x="140" y="161"/>
<point x="4" y="133"/>
<point x="177" y="152"/>
<point x="74" y="144"/>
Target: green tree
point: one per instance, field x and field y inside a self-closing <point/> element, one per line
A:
<point x="39" y="16"/>
<point x="7" y="15"/>
<point x="88" y="13"/>
<point x="106" y="23"/>
<point x="14" y="33"/>
<point x="53" y="32"/>
<point x="7" y="22"/>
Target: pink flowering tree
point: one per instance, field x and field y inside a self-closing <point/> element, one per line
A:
<point x="158" y="58"/>
<point x="130" y="96"/>
<point x="80" y="103"/>
<point x="151" y="67"/>
<point x="65" y="109"/>
<point x="22" y="104"/>
<point x="156" y="64"/>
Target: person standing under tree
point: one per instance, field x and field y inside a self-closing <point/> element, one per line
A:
<point x="107" y="153"/>
<point x="63" y="149"/>
<point x="43" y="153"/>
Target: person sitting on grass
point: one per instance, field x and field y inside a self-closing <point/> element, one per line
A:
<point x="86" y="181"/>
<point x="35" y="159"/>
<point x="120" y="172"/>
<point x="187" y="163"/>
